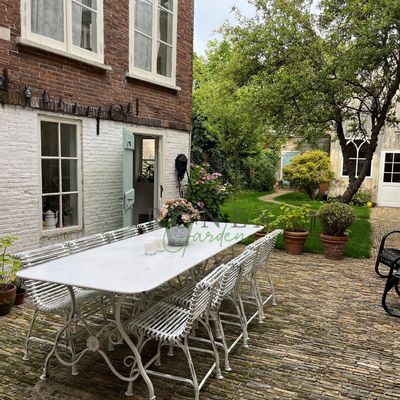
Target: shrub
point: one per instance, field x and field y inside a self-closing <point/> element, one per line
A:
<point x="294" y="219"/>
<point x="336" y="218"/>
<point x="308" y="170"/>
<point x="206" y="190"/>
<point x="260" y="171"/>
<point x="361" y="198"/>
<point x="9" y="264"/>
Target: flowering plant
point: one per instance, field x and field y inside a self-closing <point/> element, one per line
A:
<point x="177" y="212"/>
<point x="207" y="189"/>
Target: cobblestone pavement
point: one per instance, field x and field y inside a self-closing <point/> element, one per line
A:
<point x="328" y="338"/>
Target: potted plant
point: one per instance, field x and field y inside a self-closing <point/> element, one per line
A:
<point x="263" y="220"/>
<point x="335" y="219"/>
<point x="177" y="216"/>
<point x="21" y="291"/>
<point x="9" y="266"/>
<point x="293" y="220"/>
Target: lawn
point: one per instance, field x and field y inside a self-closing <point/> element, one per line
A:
<point x="247" y="206"/>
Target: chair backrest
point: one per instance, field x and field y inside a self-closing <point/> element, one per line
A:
<point x="203" y="293"/>
<point x="41" y="293"/>
<point x="41" y="255"/>
<point x="148" y="226"/>
<point x="86" y="243"/>
<point x="264" y="247"/>
<point x="123" y="233"/>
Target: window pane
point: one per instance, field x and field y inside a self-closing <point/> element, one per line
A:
<point x="168" y="4"/>
<point x="165" y="29"/>
<point x="88" y="3"/>
<point x="360" y="165"/>
<point x="345" y="171"/>
<point x="389" y="157"/>
<point x="388" y="167"/>
<point x="144" y="17"/>
<point x="396" y="167"/>
<point x="363" y="150"/>
<point x="352" y="149"/>
<point x="84" y="28"/>
<point x="142" y="52"/>
<point x="396" y="178"/>
<point x="397" y="157"/>
<point x="164" y="60"/>
<point x="387" y="177"/>
<point x="49" y="136"/>
<point x="50" y="210"/>
<point x="50" y="176"/>
<point x="70" y="210"/>
<point x="47" y="18"/>
<point x="68" y="140"/>
<point x="69" y="175"/>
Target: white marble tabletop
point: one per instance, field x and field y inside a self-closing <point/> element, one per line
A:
<point x="123" y="267"/>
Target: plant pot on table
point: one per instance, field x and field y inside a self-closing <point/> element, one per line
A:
<point x="179" y="235"/>
<point x="7" y="298"/>
<point x="334" y="246"/>
<point x="294" y="241"/>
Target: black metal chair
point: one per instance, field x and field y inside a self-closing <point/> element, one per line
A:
<point x="386" y="255"/>
<point x="390" y="258"/>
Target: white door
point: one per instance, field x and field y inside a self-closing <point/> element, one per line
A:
<point x="389" y="181"/>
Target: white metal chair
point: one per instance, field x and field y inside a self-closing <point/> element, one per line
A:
<point x="148" y="226"/>
<point x="86" y="243"/>
<point x="229" y="289"/>
<point x="122" y="233"/>
<point x="171" y="325"/>
<point x="263" y="247"/>
<point x="48" y="297"/>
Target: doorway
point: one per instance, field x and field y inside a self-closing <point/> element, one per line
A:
<point x="145" y="180"/>
<point x="389" y="187"/>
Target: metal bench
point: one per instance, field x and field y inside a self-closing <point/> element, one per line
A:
<point x="148" y="226"/>
<point x="122" y="233"/>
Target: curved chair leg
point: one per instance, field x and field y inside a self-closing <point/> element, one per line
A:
<point x="28" y="336"/>
<point x="271" y="284"/>
<point x="224" y="344"/>
<point x="158" y="360"/>
<point x="185" y="348"/>
<point x="391" y="282"/>
<point x="257" y="295"/>
<point x="72" y="350"/>
<point x="243" y="321"/>
<point x="378" y="270"/>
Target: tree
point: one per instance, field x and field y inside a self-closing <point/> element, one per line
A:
<point x="308" y="74"/>
<point x="224" y="105"/>
<point x="307" y="171"/>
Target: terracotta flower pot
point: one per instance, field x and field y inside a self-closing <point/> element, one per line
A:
<point x="294" y="241"/>
<point x="260" y="235"/>
<point x="7" y="298"/>
<point x="19" y="297"/>
<point x="334" y="246"/>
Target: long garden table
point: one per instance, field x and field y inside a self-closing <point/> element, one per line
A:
<point x="122" y="268"/>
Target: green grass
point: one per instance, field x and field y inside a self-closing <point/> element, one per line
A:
<point x="247" y="206"/>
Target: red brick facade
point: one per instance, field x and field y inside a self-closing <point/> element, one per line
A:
<point x="89" y="86"/>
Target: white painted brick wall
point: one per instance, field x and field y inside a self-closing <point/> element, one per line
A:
<point x="102" y="175"/>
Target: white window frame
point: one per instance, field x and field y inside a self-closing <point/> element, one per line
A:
<point x="351" y="140"/>
<point x="143" y="74"/>
<point x="78" y="124"/>
<point x="67" y="46"/>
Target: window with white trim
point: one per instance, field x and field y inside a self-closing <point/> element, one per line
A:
<point x="73" y="26"/>
<point x="357" y="149"/>
<point x="60" y="166"/>
<point x="153" y="36"/>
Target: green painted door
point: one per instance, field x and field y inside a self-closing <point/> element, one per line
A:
<point x="128" y="177"/>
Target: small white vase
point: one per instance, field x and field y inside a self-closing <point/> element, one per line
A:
<point x="179" y="235"/>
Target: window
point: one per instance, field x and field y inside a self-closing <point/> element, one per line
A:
<point x="357" y="151"/>
<point x="74" y="26"/>
<point x="391" y="173"/>
<point x="60" y="166"/>
<point x="153" y="39"/>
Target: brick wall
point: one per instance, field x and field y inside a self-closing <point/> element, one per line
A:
<point x="20" y="213"/>
<point x="77" y="82"/>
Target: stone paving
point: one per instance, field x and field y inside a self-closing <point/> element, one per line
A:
<point x="328" y="338"/>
